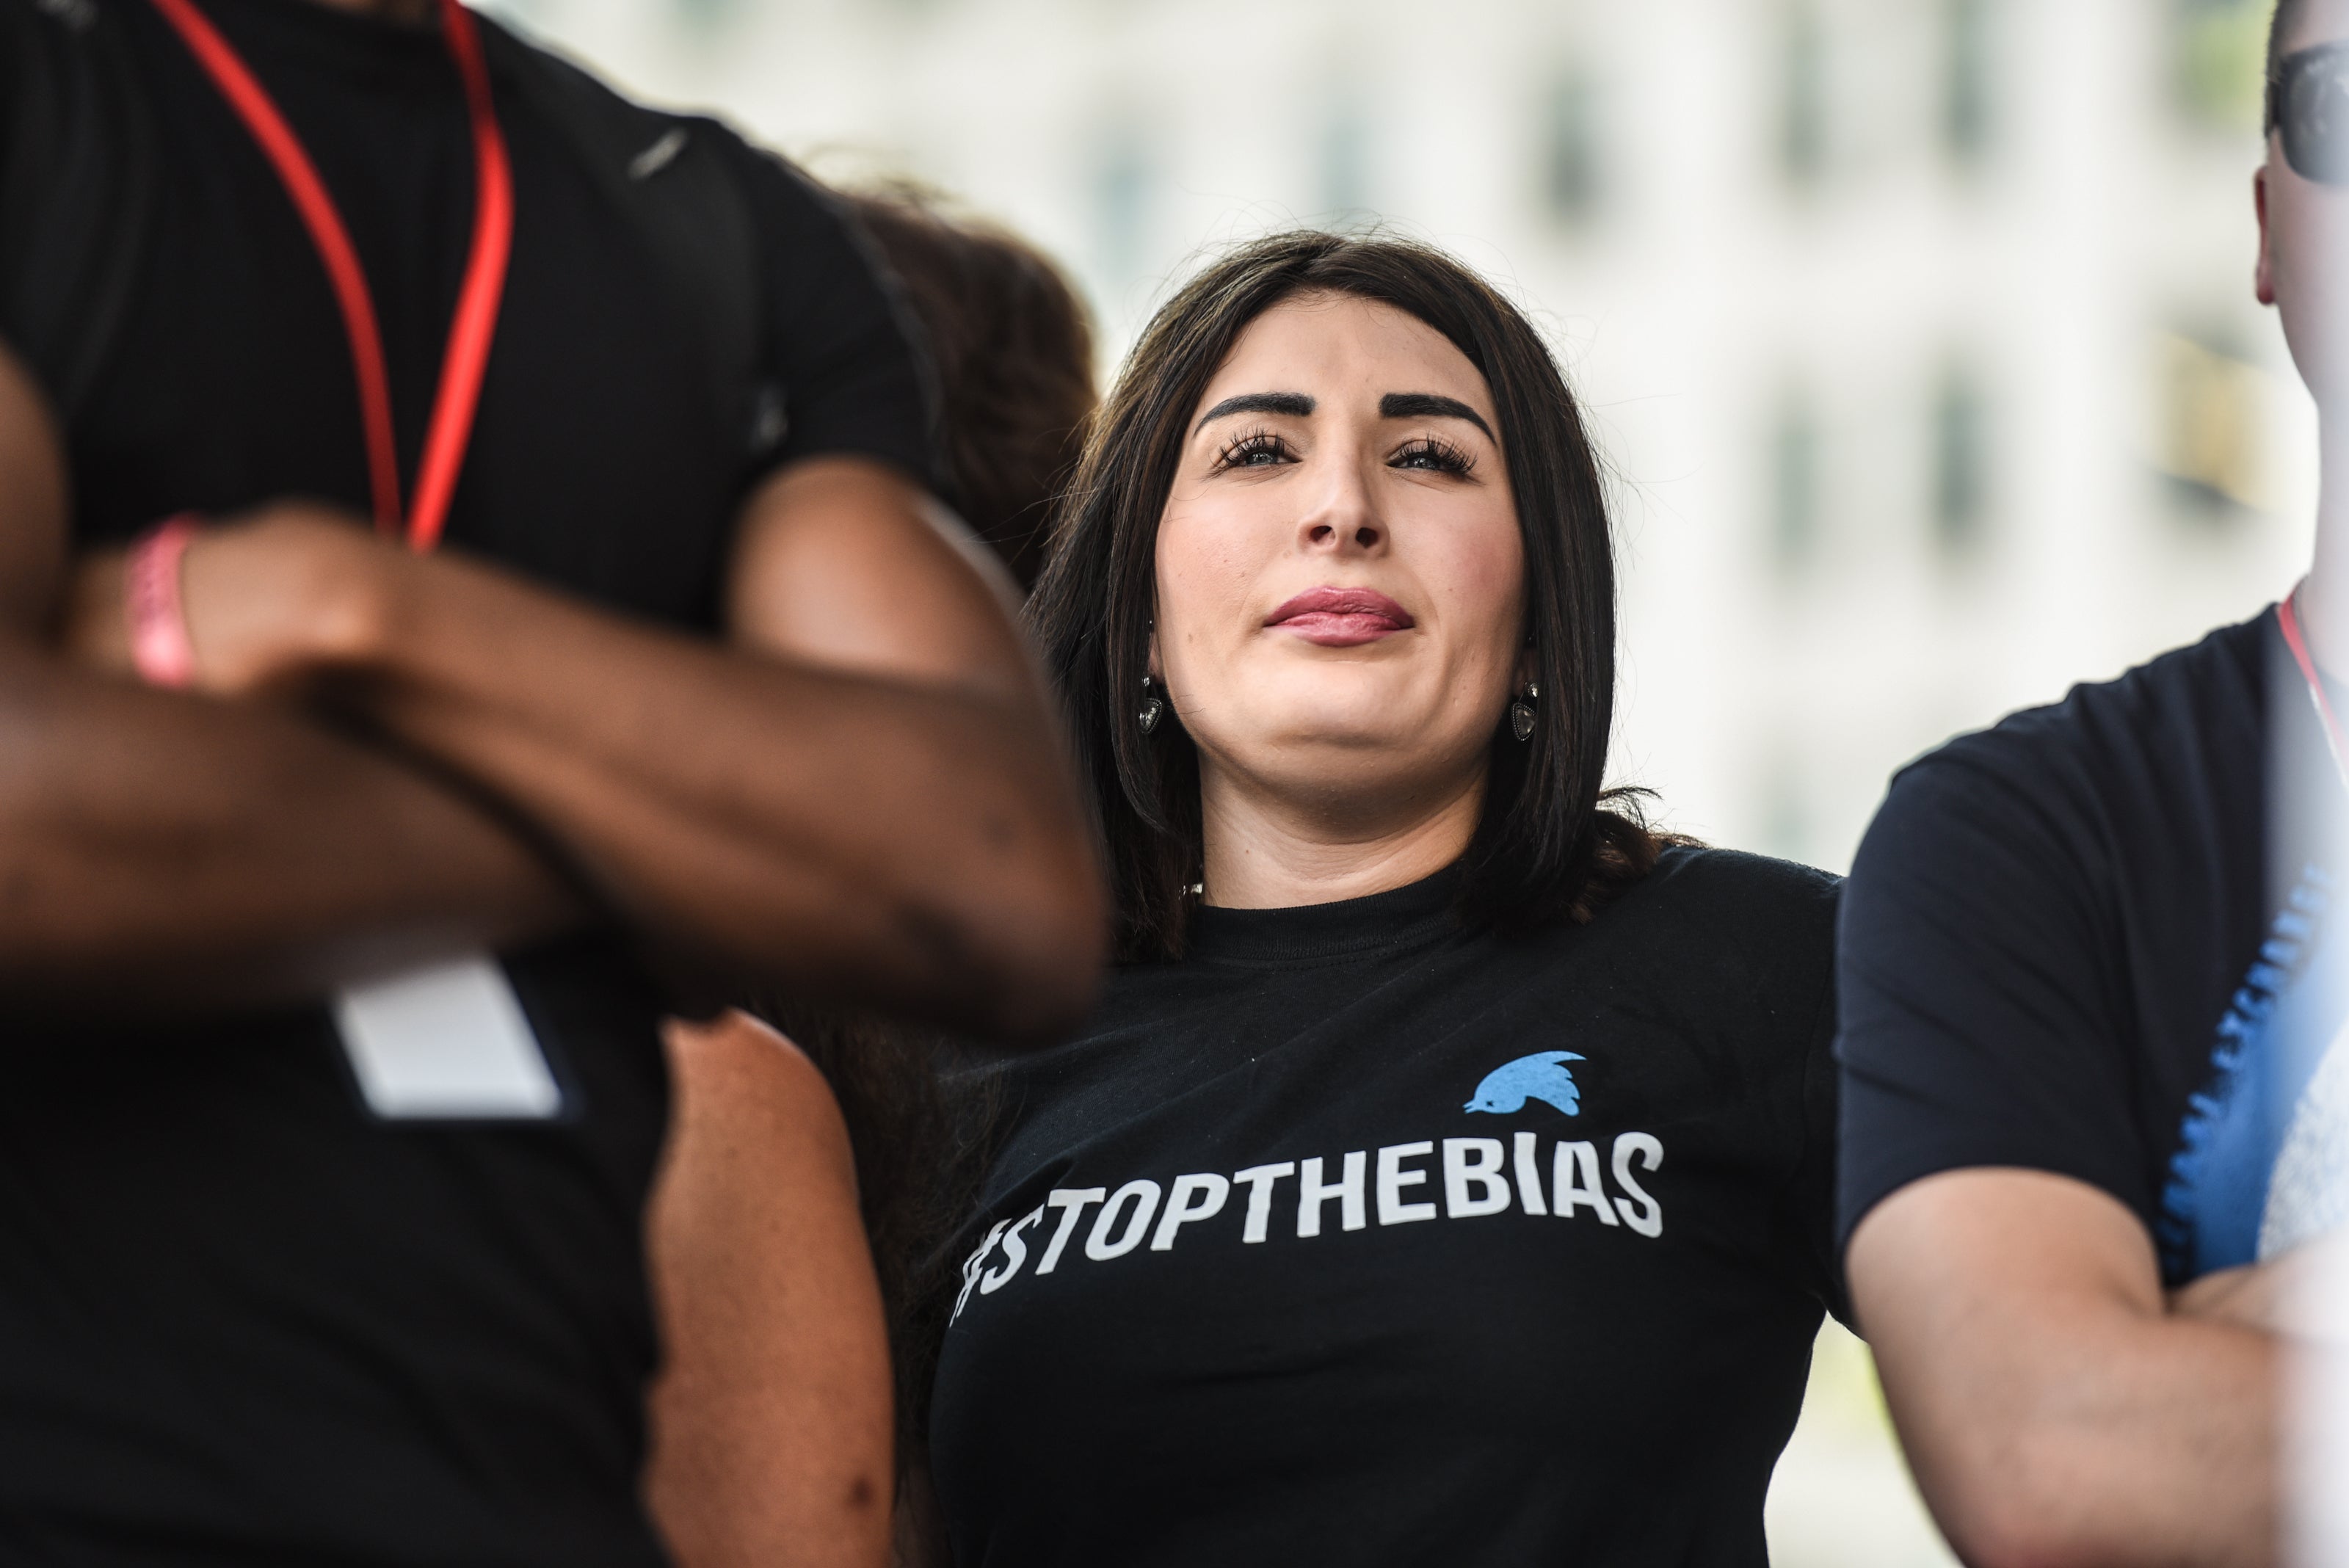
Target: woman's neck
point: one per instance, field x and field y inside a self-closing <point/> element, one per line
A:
<point x="1264" y="852"/>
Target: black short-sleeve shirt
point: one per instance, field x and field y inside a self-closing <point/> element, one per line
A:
<point x="1358" y="1237"/>
<point x="597" y="463"/>
<point x="2092" y="940"/>
<point x="240" y="1319"/>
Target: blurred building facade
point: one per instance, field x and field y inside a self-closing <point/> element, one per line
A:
<point x="1920" y="333"/>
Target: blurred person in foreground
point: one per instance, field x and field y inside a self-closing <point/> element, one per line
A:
<point x="323" y="1229"/>
<point x="838" y="1139"/>
<point x="2095" y="1120"/>
<point x="1446" y="1176"/>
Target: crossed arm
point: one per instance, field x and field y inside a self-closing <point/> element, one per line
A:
<point x="160" y="852"/>
<point x="862" y="794"/>
<point x="2057" y="1409"/>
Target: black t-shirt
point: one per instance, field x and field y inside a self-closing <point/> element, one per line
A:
<point x="2090" y="941"/>
<point x="1355" y="1237"/>
<point x="242" y="1320"/>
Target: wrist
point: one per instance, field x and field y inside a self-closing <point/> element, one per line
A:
<point x="286" y="596"/>
<point x="155" y="613"/>
<point x="352" y="617"/>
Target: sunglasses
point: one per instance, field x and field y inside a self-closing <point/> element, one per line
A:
<point x="2308" y="101"/>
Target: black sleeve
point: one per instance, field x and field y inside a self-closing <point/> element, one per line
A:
<point x="1813" y="1197"/>
<point x="1977" y="966"/>
<point x="1768" y="927"/>
<point x="77" y="191"/>
<point x="34" y="87"/>
<point x="853" y="376"/>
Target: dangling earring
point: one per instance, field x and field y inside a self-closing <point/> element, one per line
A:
<point x="1522" y="714"/>
<point x="1153" y="710"/>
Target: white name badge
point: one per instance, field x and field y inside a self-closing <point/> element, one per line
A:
<point x="447" y="1042"/>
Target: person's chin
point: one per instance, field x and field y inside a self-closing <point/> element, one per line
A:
<point x="1338" y="723"/>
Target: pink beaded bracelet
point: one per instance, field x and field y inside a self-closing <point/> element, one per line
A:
<point x="158" y="620"/>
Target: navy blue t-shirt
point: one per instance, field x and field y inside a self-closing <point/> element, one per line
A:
<point x="2092" y="941"/>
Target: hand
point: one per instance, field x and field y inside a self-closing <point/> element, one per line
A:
<point x="274" y="599"/>
<point x="2275" y="1296"/>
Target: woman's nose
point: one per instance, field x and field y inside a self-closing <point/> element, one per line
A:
<point x="1363" y="536"/>
<point x="1346" y="519"/>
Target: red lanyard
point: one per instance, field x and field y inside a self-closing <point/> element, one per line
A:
<point x="2288" y="618"/>
<point x="467" y="355"/>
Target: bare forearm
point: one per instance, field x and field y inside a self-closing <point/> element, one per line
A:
<point x="2157" y="1447"/>
<point x="2056" y="1411"/>
<point x="159" y="852"/>
<point x="871" y="840"/>
<point x="771" y="1421"/>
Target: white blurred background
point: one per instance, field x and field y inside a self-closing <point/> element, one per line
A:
<point x="1919" y="334"/>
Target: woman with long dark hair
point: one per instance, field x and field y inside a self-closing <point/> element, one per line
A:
<point x="1445" y="1176"/>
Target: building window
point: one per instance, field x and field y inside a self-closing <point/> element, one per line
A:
<point x="1346" y="162"/>
<point x="1795" y="483"/>
<point x="1123" y="184"/>
<point x="1803" y="103"/>
<point x="1787" y="825"/>
<point x="1966" y="104"/>
<point x="1571" y="170"/>
<point x="2221" y="49"/>
<point x="704" y="16"/>
<point x="2211" y="421"/>
<point x="1960" y="463"/>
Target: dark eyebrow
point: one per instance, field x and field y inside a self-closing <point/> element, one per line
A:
<point x="1427" y="405"/>
<point x="1296" y="404"/>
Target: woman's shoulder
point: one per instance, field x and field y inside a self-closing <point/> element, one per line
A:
<point x="1724" y="925"/>
<point x="1694" y="881"/>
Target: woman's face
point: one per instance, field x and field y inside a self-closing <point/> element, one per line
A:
<point x="1341" y="579"/>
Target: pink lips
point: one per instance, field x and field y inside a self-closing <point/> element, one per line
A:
<point x="1341" y="617"/>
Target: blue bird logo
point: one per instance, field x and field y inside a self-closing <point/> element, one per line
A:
<point x="1541" y="1077"/>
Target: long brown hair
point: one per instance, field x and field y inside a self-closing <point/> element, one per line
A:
<point x="1012" y="348"/>
<point x="1548" y="846"/>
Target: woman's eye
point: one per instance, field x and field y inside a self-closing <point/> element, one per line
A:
<point x="1433" y="456"/>
<point x="1255" y="452"/>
